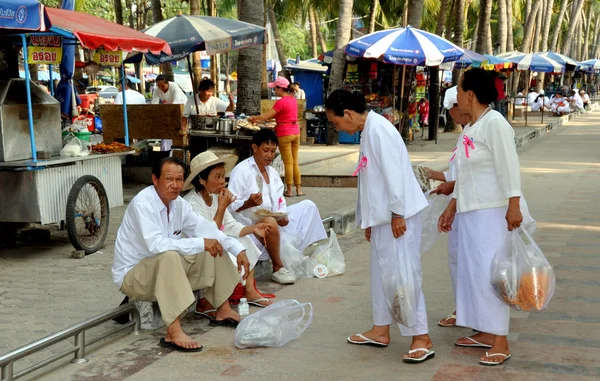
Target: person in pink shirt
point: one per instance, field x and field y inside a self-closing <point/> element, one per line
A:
<point x="285" y="112"/>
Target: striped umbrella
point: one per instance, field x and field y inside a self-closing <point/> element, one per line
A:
<point x="492" y="62"/>
<point x="568" y="62"/>
<point x="534" y="62"/>
<point x="589" y="65"/>
<point x="470" y="58"/>
<point x="405" y="46"/>
<point x="187" y="34"/>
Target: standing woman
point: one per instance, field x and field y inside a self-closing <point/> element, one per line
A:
<point x="285" y="112"/>
<point x="388" y="206"/>
<point x="485" y="204"/>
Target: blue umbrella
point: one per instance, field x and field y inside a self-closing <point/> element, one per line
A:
<point x="589" y="65"/>
<point x="25" y="15"/>
<point x="534" y="62"/>
<point x="65" y="92"/>
<point x="470" y="58"/>
<point x="568" y="62"/>
<point x="405" y="46"/>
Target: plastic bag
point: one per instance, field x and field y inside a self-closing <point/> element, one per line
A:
<point x="75" y="148"/>
<point x="528" y="223"/>
<point x="275" y="325"/>
<point x="293" y="259"/>
<point x="429" y="220"/>
<point x="331" y="256"/>
<point x="521" y="275"/>
<point x="400" y="284"/>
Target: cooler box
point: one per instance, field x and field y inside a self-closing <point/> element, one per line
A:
<point x="87" y="100"/>
<point x="345" y="138"/>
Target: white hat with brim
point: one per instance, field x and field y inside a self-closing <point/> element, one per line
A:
<point x="450" y="97"/>
<point x="208" y="159"/>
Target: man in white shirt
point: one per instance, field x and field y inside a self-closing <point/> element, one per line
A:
<point x="132" y="97"/>
<point x="207" y="103"/>
<point x="531" y="96"/>
<point x="585" y="98"/>
<point x="298" y="92"/>
<point x="154" y="262"/>
<point x="169" y="93"/>
<point x="576" y="101"/>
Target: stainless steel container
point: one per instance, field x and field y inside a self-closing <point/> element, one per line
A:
<point x="226" y="125"/>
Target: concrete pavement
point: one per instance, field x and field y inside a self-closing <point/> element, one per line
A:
<point x="560" y="174"/>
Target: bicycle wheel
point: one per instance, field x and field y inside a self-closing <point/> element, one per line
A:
<point x="87" y="214"/>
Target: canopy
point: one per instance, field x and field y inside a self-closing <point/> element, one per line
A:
<point x="95" y="32"/>
<point x="25" y="15"/>
<point x="589" y="65"/>
<point x="535" y="62"/>
<point x="470" y="58"/>
<point x="569" y="63"/>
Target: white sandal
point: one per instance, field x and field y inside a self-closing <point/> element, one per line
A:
<point x="494" y="363"/>
<point x="428" y="355"/>
<point x="453" y="316"/>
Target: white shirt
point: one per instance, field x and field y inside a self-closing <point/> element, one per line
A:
<point x="212" y="106"/>
<point x="147" y="231"/>
<point x="132" y="97"/>
<point x="244" y="181"/>
<point x="173" y="96"/>
<point x="531" y="97"/>
<point x="230" y="226"/>
<point x="450" y="174"/>
<point x="578" y="101"/>
<point x="586" y="98"/>
<point x="387" y="182"/>
<point x="300" y="94"/>
<point x="491" y="174"/>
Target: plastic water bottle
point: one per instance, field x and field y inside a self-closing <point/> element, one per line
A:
<point x="243" y="308"/>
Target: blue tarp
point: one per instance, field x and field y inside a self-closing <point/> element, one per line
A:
<point x="25" y="15"/>
<point x="64" y="91"/>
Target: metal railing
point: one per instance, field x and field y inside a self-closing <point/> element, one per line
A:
<point x="327" y="222"/>
<point x="77" y="331"/>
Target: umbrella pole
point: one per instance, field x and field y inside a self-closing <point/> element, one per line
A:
<point x="125" y="121"/>
<point x="29" y="105"/>
<point x="394" y="80"/>
<point x="402" y="99"/>
<point x="192" y="78"/>
<point x="51" y="80"/>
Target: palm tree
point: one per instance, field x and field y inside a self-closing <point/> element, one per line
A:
<point x="526" y="45"/>
<point x="276" y="35"/>
<point x="483" y="26"/>
<point x="509" y="27"/>
<point x="313" y="32"/>
<point x="415" y="12"/>
<point x="344" y="29"/>
<point x="575" y="16"/>
<point x="249" y="59"/>
<point x="558" y="25"/>
<point x="502" y="25"/>
<point x="441" y="21"/>
<point x="372" y="15"/>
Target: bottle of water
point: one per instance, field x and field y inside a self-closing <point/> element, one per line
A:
<point x="243" y="308"/>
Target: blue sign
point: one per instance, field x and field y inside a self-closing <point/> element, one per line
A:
<point x="21" y="15"/>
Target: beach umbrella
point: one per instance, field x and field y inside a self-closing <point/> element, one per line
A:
<point x="589" y="65"/>
<point x="469" y="59"/>
<point x="535" y="62"/>
<point x="568" y="62"/>
<point x="496" y="63"/>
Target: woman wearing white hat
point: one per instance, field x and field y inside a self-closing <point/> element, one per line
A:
<point x="209" y="197"/>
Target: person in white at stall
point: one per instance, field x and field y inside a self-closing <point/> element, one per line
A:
<point x="169" y="93"/>
<point x="485" y="204"/>
<point x="210" y="198"/>
<point x="585" y="98"/>
<point x="208" y="104"/>
<point x="576" y="101"/>
<point x="258" y="186"/>
<point x="154" y="262"/>
<point x="132" y="97"/>
<point x="388" y="206"/>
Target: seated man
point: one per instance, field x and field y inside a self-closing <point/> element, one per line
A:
<point x="586" y="99"/>
<point x="258" y="187"/>
<point x="153" y="262"/>
<point x="576" y="101"/>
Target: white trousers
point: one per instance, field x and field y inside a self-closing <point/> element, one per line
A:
<point x="480" y="233"/>
<point x="305" y="226"/>
<point x="384" y="246"/>
<point x="453" y="256"/>
<point x="252" y="251"/>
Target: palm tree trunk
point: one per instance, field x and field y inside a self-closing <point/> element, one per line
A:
<point x="558" y="25"/>
<point x="527" y="11"/>
<point x="596" y="49"/>
<point x="459" y="29"/>
<point x="119" y="11"/>
<point x="415" y="12"/>
<point x="441" y="22"/>
<point x="502" y="25"/>
<point x="322" y="41"/>
<point x="249" y="59"/>
<point x="450" y="20"/>
<point x="537" y="34"/>
<point x="489" y="39"/>
<point x="344" y="28"/>
<point x="483" y="26"/>
<point x="313" y="32"/>
<point x="527" y="36"/>
<point x="196" y="60"/>
<point x="547" y="21"/>
<point x="372" y="15"/>
<point x="510" y="44"/>
<point x="475" y="35"/>
<point x="276" y="35"/>
<point x="586" y="40"/>
<point x="574" y="22"/>
<point x="157" y="17"/>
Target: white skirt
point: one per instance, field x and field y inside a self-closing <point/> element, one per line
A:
<point x="252" y="252"/>
<point x="480" y="233"/>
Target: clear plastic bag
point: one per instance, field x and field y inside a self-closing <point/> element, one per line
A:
<point x="293" y="259"/>
<point x="331" y="256"/>
<point x="400" y="284"/>
<point x="521" y="275"/>
<point x="75" y="148"/>
<point x="275" y="325"/>
<point x="429" y="220"/>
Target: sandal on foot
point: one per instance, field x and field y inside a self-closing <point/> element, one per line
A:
<point x="366" y="341"/>
<point x="474" y="343"/>
<point x="453" y="316"/>
<point x="205" y="314"/>
<point x="494" y="363"/>
<point x="428" y="354"/>
<point x="256" y="302"/>
<point x="229" y="322"/>
<point x="169" y="344"/>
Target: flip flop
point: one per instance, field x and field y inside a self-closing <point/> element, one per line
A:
<point x="168" y="344"/>
<point x="229" y="322"/>
<point x="205" y="314"/>
<point x="453" y="316"/>
<point x="301" y="194"/>
<point x="494" y="363"/>
<point x="256" y="302"/>
<point x="366" y="341"/>
<point x="476" y="344"/>
<point x="429" y="354"/>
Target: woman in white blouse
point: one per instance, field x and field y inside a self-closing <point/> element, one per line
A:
<point x="209" y="197"/>
<point x="486" y="203"/>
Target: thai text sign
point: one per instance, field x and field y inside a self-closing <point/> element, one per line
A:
<point x="104" y="58"/>
<point x="45" y="50"/>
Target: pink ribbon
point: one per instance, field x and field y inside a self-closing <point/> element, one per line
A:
<point x="468" y="143"/>
<point x="280" y="202"/>
<point x="361" y="164"/>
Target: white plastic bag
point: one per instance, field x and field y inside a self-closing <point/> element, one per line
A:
<point x="293" y="259"/>
<point x="521" y="276"/>
<point x="75" y="148"/>
<point x="400" y="284"/>
<point x="331" y="256"/>
<point x="429" y="220"/>
<point x="275" y="325"/>
<point x="528" y="223"/>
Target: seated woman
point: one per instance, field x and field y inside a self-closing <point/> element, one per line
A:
<point x="259" y="188"/>
<point x="210" y="199"/>
<point x="560" y="106"/>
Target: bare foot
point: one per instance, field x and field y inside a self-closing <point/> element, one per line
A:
<point x="254" y="295"/>
<point x="176" y="335"/>
<point x="420" y="341"/>
<point x="499" y="345"/>
<point x="381" y="334"/>
<point x="481" y="337"/>
<point x="225" y="312"/>
<point x="449" y="321"/>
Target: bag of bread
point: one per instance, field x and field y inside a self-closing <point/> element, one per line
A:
<point x="521" y="276"/>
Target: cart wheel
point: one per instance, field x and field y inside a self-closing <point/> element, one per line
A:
<point x="87" y="214"/>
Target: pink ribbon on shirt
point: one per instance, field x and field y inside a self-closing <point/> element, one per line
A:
<point x="280" y="202"/>
<point x="361" y="164"/>
<point x="468" y="143"/>
<point x="454" y="155"/>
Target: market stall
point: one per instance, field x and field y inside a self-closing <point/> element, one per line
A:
<point x="40" y="185"/>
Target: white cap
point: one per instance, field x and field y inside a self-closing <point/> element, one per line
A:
<point x="542" y="92"/>
<point x="451" y="97"/>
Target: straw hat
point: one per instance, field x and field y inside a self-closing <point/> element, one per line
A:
<point x="207" y="159"/>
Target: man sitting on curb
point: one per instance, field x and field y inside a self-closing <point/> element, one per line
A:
<point x="153" y="262"/>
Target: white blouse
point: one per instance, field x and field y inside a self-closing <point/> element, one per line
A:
<point x="231" y="227"/>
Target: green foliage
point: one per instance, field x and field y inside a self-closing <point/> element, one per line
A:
<point x="296" y="40"/>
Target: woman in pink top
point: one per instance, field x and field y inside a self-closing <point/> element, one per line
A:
<point x="285" y="112"/>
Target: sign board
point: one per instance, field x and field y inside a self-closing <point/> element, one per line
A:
<point x="44" y="50"/>
<point x="104" y="58"/>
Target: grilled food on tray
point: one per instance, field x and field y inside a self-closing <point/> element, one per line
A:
<point x="244" y="123"/>
<point x="111" y="148"/>
<point x="262" y="213"/>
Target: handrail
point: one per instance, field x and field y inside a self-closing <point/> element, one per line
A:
<point x="78" y="331"/>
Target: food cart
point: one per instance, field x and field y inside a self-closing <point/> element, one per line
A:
<point x="38" y="185"/>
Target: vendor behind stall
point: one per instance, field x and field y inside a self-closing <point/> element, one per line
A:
<point x="132" y="97"/>
<point x="207" y="103"/>
<point x="167" y="92"/>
